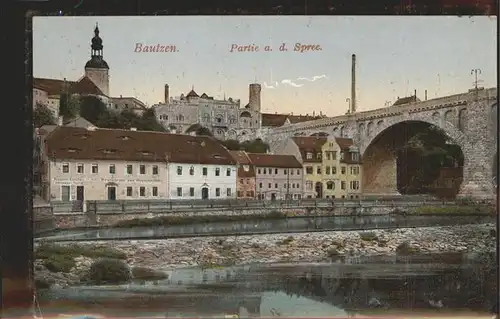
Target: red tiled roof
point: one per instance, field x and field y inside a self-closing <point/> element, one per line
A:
<point x="276" y="120"/>
<point x="274" y="160"/>
<point x="242" y="158"/>
<point x="344" y="143"/>
<point x="56" y="87"/>
<point x="126" y="145"/>
<point x="310" y="144"/>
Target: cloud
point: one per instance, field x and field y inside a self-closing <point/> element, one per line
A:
<point x="272" y="86"/>
<point x="289" y="82"/>
<point x="314" y="78"/>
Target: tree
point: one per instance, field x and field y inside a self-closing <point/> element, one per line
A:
<point x="69" y="106"/>
<point x="199" y="130"/>
<point x="149" y="122"/>
<point x="92" y="108"/>
<point x="42" y="115"/>
<point x="254" y="146"/>
<point x="232" y="145"/>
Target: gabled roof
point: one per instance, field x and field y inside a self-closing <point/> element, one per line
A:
<point x="192" y="93"/>
<point x="242" y="159"/>
<point x="344" y="143"/>
<point x="274" y="160"/>
<point x="72" y="143"/>
<point x="57" y="87"/>
<point x="310" y="143"/>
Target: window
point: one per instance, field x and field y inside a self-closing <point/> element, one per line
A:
<point x="205" y="171"/>
<point x="318" y="155"/>
<point x="80" y="168"/>
<point x="309" y="185"/>
<point x="298" y="172"/>
<point x="293" y="185"/>
<point x="354" y="185"/>
<point x="129" y="169"/>
<point x="191" y="170"/>
<point x="258" y="170"/>
<point x="228" y="192"/>
<point x="309" y="170"/>
<point x="142" y="191"/>
<point x="342" y="156"/>
<point x="155" y="191"/>
<point x="179" y="191"/>
<point x="155" y="169"/>
<point x="269" y="185"/>
<point x="275" y="171"/>
<point x="291" y="172"/>
<point x="95" y="168"/>
<point x="334" y="169"/>
<point x="285" y="186"/>
<point x="327" y="170"/>
<point x="330" y="185"/>
<point x="260" y="185"/>
<point x="191" y="191"/>
<point x="342" y="169"/>
<point x="342" y="185"/>
<point x="318" y="170"/>
<point x="142" y="169"/>
<point x="179" y="170"/>
<point x="129" y="191"/>
<point x="228" y="172"/>
<point x="284" y="171"/>
<point x="217" y="171"/>
<point x="217" y="192"/>
<point x="355" y="156"/>
<point x="65" y="168"/>
<point x="112" y="169"/>
<point x="276" y="185"/>
<point x="328" y="156"/>
<point x="334" y="155"/>
<point x="309" y="155"/>
<point x="265" y="171"/>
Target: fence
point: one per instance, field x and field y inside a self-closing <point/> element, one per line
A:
<point x="158" y="206"/>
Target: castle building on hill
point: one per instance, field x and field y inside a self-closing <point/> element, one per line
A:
<point x="226" y="119"/>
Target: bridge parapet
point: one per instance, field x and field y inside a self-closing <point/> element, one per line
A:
<point x="414" y="107"/>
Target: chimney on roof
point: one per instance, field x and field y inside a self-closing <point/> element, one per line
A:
<point x="425" y="95"/>
<point x="415" y="94"/>
<point x="353" y="84"/>
<point x="166" y="94"/>
<point x="60" y="121"/>
<point x="133" y="128"/>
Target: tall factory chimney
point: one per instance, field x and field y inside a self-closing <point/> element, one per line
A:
<point x="166" y="94"/>
<point x="353" y="85"/>
<point x="254" y="97"/>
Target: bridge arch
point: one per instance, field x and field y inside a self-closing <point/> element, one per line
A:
<point x="379" y="150"/>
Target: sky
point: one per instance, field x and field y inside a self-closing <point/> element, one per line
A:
<point x="395" y="56"/>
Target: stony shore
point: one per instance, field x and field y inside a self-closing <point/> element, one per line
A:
<point x="304" y="247"/>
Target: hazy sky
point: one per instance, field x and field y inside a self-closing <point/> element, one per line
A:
<point x="395" y="56"/>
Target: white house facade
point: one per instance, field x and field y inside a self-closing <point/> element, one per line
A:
<point x="81" y="180"/>
<point x="201" y="181"/>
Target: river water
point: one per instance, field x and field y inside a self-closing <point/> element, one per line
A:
<point x="455" y="285"/>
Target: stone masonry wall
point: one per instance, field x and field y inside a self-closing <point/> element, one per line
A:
<point x="76" y="220"/>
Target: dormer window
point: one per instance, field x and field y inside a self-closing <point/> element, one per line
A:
<point x="72" y="150"/>
<point x="342" y="156"/>
<point x="216" y="156"/>
<point x="109" y="151"/>
<point x="309" y="155"/>
<point x="318" y="155"/>
<point x="355" y="156"/>
<point x="145" y="153"/>
<point x="246" y="168"/>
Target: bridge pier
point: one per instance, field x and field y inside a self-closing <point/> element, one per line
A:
<point x="380" y="173"/>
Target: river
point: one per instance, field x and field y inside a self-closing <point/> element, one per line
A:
<point x="423" y="284"/>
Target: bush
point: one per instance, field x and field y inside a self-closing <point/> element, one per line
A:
<point x="188" y="220"/>
<point x="112" y="271"/>
<point x="405" y="249"/>
<point x="59" y="258"/>
<point x="368" y="236"/>
<point x="145" y="273"/>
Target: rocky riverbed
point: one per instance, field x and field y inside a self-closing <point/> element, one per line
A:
<point x="304" y="247"/>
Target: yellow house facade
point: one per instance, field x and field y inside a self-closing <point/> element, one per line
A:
<point x="332" y="166"/>
<point x="341" y="168"/>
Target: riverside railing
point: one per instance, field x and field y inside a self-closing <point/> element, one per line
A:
<point x="159" y="206"/>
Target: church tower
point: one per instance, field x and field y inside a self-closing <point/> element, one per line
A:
<point x="96" y="68"/>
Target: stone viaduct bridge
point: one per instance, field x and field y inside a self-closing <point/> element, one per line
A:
<point x="468" y="119"/>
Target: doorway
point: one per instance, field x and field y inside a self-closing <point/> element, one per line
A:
<point x="319" y="190"/>
<point x="65" y="193"/>
<point x="273" y="196"/>
<point x="204" y="193"/>
<point x="111" y="193"/>
<point x="78" y="205"/>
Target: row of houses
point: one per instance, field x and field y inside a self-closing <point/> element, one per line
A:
<point x="90" y="163"/>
